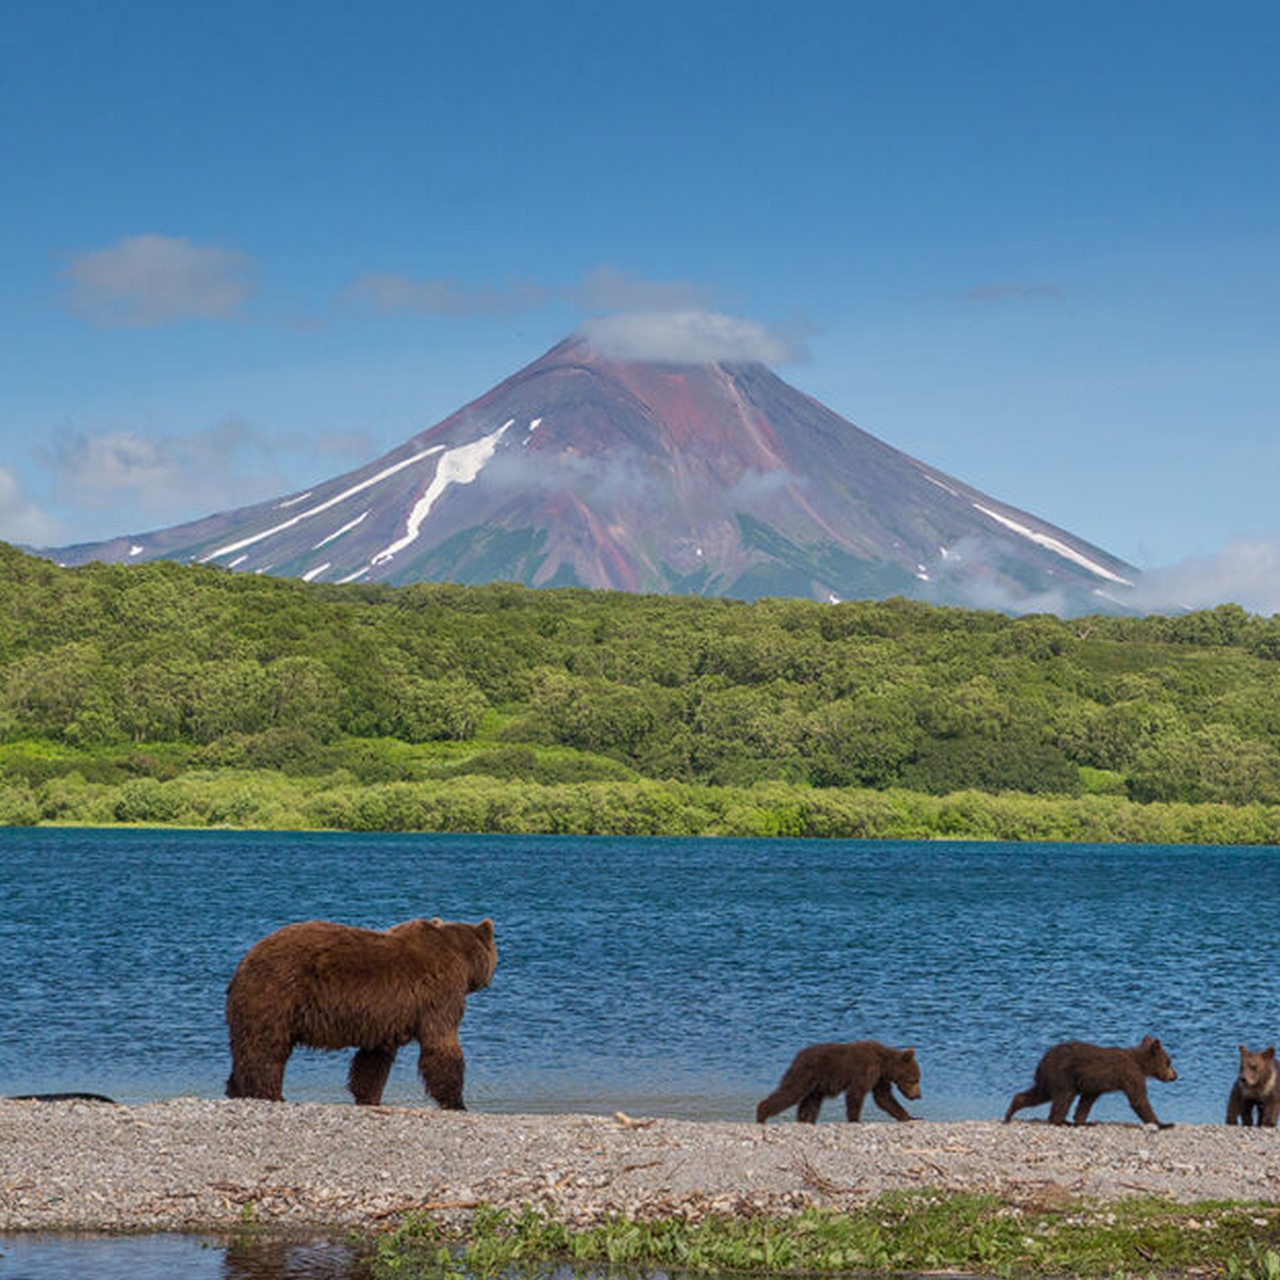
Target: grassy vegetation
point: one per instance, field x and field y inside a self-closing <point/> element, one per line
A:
<point x="902" y="1233"/>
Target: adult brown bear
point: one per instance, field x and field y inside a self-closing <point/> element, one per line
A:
<point x="1090" y="1070"/>
<point x="333" y="986"/>
<point x="854" y="1069"/>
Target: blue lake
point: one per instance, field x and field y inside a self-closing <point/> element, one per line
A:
<point x="672" y="977"/>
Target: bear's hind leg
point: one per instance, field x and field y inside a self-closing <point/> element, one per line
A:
<point x="1084" y="1106"/>
<point x="368" y="1075"/>
<point x="810" y="1105"/>
<point x="442" y="1067"/>
<point x="1033" y="1097"/>
<point x="1059" y="1105"/>
<point x="779" y="1100"/>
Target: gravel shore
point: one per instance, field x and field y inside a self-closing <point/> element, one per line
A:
<point x="195" y="1164"/>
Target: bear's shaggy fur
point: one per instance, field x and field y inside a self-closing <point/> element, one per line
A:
<point x="856" y="1069"/>
<point x="1088" y="1070"/>
<point x="333" y="986"/>
<point x="1255" y="1096"/>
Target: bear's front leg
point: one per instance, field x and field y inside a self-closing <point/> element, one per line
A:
<point x="442" y="1067"/>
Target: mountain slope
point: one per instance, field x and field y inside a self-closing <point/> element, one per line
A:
<point x="712" y="479"/>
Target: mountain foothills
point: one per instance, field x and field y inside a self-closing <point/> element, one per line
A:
<point x="165" y="693"/>
<point x="694" y="479"/>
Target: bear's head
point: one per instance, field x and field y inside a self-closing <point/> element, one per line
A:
<point x="1257" y="1070"/>
<point x="475" y="942"/>
<point x="906" y="1073"/>
<point x="1155" y="1061"/>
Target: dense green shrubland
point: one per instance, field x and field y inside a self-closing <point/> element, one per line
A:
<point x="165" y="693"/>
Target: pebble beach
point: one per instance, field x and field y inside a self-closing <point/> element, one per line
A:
<point x="195" y="1164"/>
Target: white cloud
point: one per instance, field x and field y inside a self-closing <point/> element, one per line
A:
<point x="385" y="292"/>
<point x="148" y="280"/>
<point x="688" y="337"/>
<point x="1245" y="572"/>
<point x="21" y="520"/>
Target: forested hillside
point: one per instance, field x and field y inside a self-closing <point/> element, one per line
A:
<point x="170" y="693"/>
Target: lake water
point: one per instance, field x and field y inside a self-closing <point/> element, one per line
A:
<point x="670" y="977"/>
<point x="673" y="977"/>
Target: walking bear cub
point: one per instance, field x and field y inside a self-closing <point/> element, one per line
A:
<point x="824" y="1070"/>
<point x="333" y="986"/>
<point x="1255" y="1096"/>
<point x="1088" y="1070"/>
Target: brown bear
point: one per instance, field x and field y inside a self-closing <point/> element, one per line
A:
<point x="856" y="1069"/>
<point x="1089" y="1070"/>
<point x="333" y="986"/>
<point x="1255" y="1096"/>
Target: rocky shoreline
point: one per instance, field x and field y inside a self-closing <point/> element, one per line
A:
<point x="195" y="1164"/>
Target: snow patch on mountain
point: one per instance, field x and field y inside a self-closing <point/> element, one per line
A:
<point x="456" y="466"/>
<point x="324" y="506"/>
<point x="1053" y="544"/>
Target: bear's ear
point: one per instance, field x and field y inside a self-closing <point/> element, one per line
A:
<point x="909" y="1054"/>
<point x="1147" y="1042"/>
<point x="1269" y="1052"/>
<point x="485" y="929"/>
<point x="1243" y="1051"/>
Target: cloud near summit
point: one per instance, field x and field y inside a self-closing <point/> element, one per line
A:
<point x="688" y="337"/>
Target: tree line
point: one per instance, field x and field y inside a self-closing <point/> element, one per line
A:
<point x="112" y="676"/>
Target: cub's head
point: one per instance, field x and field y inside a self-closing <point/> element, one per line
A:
<point x="1257" y="1070"/>
<point x="1155" y="1061"/>
<point x="905" y="1073"/>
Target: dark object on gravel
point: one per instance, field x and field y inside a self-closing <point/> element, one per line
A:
<point x="1089" y="1070"/>
<point x="62" y="1097"/>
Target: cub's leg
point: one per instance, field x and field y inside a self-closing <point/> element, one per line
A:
<point x="853" y="1100"/>
<point x="1137" y="1095"/>
<point x="1084" y="1106"/>
<point x="1269" y="1113"/>
<point x="1233" y="1109"/>
<point x="368" y="1075"/>
<point x="1059" y="1105"/>
<point x="1033" y="1097"/>
<point x="883" y="1095"/>
<point x="810" y="1105"/>
<point x="784" y="1096"/>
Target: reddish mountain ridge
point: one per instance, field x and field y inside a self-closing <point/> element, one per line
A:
<point x="712" y="479"/>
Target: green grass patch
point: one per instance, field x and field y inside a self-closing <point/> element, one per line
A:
<point x="900" y="1233"/>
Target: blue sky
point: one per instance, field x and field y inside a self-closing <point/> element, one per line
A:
<point x="248" y="246"/>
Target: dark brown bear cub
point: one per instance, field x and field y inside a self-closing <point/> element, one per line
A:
<point x="332" y="986"/>
<point x="1088" y="1070"/>
<point x="1255" y="1096"/>
<point x="824" y="1070"/>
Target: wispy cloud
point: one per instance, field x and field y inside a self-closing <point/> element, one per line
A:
<point x="385" y="292"/>
<point x="689" y="337"/>
<point x="161" y="477"/>
<point x="148" y="280"/>
<point x="1014" y="291"/>
<point x="1246" y="571"/>
<point x="607" y="289"/>
<point x="21" y="519"/>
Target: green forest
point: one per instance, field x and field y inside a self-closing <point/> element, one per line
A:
<point x="172" y="694"/>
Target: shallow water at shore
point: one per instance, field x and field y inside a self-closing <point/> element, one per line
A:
<point x="668" y="977"/>
<point x="168" y="1257"/>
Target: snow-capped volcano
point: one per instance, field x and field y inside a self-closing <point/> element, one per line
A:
<point x="711" y="479"/>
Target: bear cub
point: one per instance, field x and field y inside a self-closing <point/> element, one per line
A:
<point x="1255" y="1096"/>
<point x="1075" y="1068"/>
<point x="856" y="1069"/>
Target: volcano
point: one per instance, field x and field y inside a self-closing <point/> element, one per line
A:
<point x="709" y="479"/>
